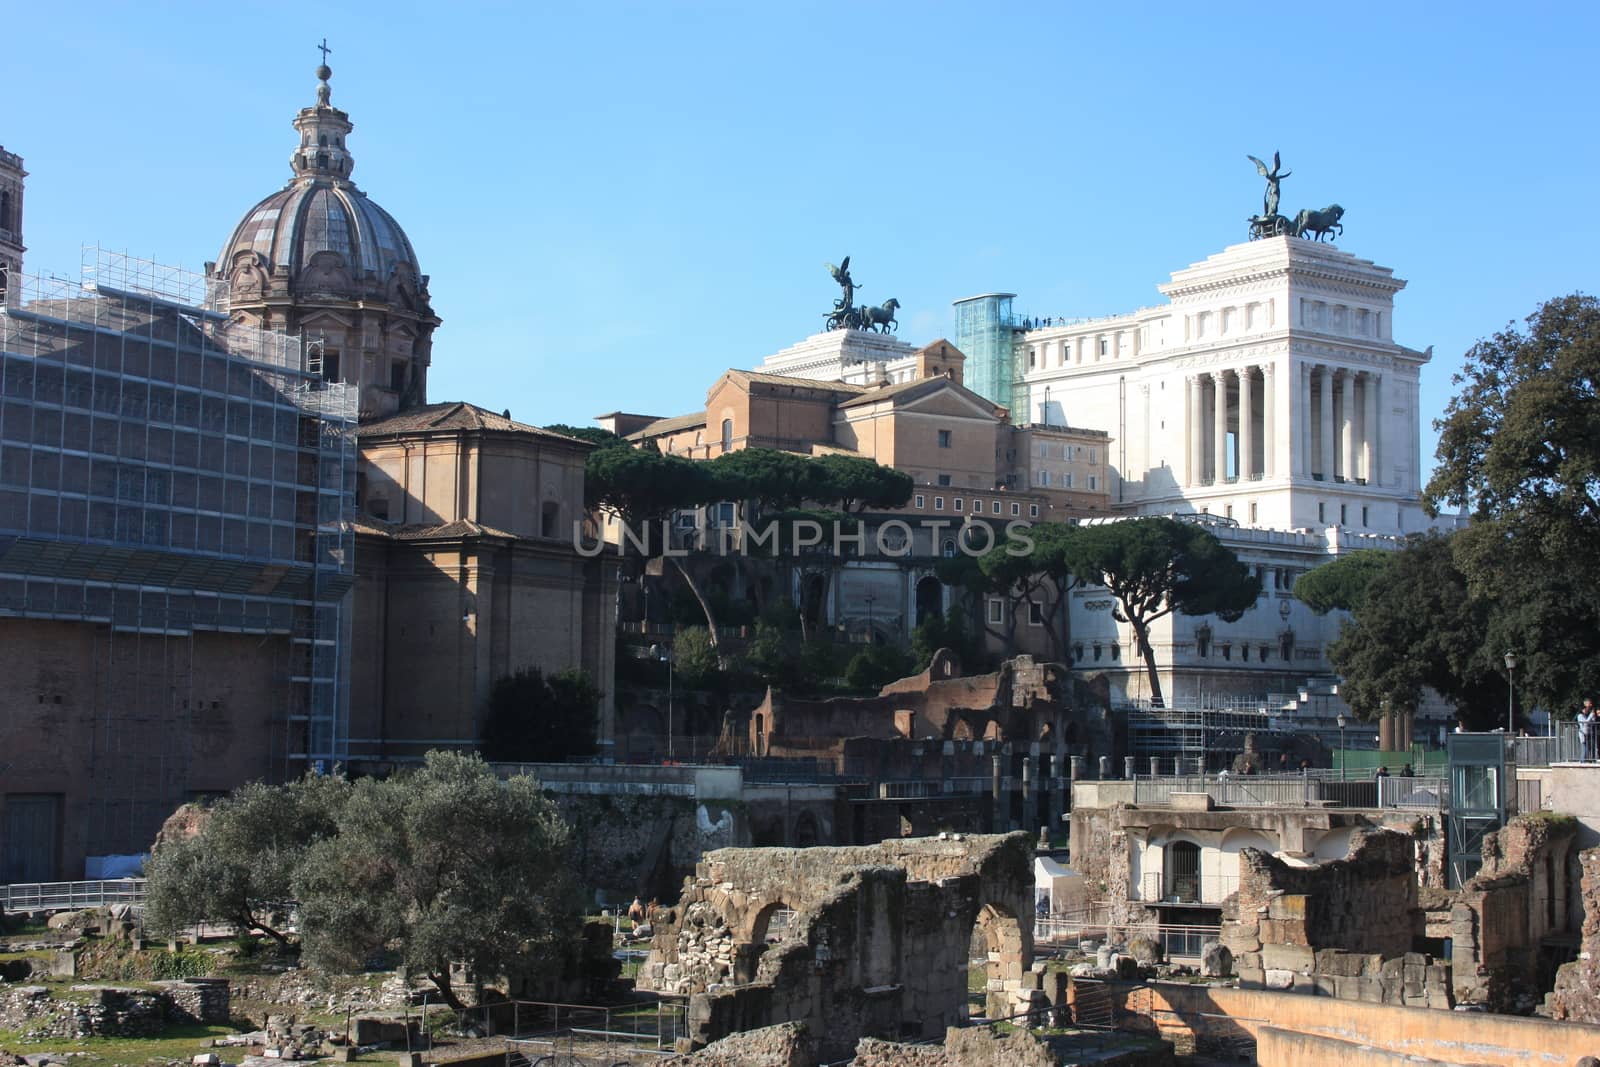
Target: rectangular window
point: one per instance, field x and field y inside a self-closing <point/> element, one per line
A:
<point x="397" y="377"/>
<point x="1343" y="511"/>
<point x="1043" y="478"/>
<point x="1094" y="483"/>
<point x="944" y="438"/>
<point x="996" y="508"/>
<point x="957" y="504"/>
<point x="1227" y="511"/>
<point x="997" y="611"/>
<point x="1033" y="511"/>
<point x="938" y="503"/>
<point x="944" y="479"/>
<point x="1066" y="479"/>
<point x="1322" y="512"/>
<point x="330" y="367"/>
<point x="1252" y="513"/>
<point x="1016" y="509"/>
<point x="1094" y="455"/>
<point x="920" y="503"/>
<point x="1035" y="613"/>
<point x="1363" y="514"/>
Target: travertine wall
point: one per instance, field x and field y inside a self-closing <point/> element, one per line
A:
<point x="1212" y="1015"/>
<point x="876" y="945"/>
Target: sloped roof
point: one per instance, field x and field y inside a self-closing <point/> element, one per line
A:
<point x="902" y="392"/>
<point x="672" y="425"/>
<point x="456" y="415"/>
<point x="801" y="383"/>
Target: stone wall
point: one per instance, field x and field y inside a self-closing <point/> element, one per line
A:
<point x="644" y="846"/>
<point x="1341" y="929"/>
<point x="876" y="942"/>
<point x="110" y="1011"/>
<point x="1577" y="992"/>
<point x="1500" y="918"/>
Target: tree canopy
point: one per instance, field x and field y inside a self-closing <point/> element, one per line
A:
<point x="1520" y="442"/>
<point x="1519" y="447"/>
<point x="1419" y="626"/>
<point x="1343" y="583"/>
<point x="1156" y="566"/>
<point x="241" y="866"/>
<point x="443" y="864"/>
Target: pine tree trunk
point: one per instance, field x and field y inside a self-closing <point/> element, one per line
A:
<point x="1142" y="633"/>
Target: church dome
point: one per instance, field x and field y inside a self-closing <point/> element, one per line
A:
<point x="314" y="215"/>
<point x="319" y="260"/>
<point x="320" y="230"/>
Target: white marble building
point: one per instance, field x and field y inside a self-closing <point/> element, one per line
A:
<point x="1270" y="390"/>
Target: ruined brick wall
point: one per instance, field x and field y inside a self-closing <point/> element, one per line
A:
<point x="1577" y="993"/>
<point x="1500" y="917"/>
<point x="877" y="943"/>
<point x="108" y="1011"/>
<point x="1342" y="929"/>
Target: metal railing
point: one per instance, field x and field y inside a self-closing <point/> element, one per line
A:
<point x="1415" y="793"/>
<point x="70" y="896"/>
<point x="1178" y="941"/>
<point x="1296" y="790"/>
<point x="1157" y="887"/>
<point x="1564" y="746"/>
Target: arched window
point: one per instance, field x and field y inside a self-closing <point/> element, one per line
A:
<point x="322" y="140"/>
<point x="5" y="211"/>
<point x="949" y="548"/>
<point x="727" y="435"/>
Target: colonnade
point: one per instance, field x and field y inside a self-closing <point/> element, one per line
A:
<point x="1234" y="431"/>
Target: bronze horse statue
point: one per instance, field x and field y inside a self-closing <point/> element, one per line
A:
<point x="880" y="318"/>
<point x="1322" y="223"/>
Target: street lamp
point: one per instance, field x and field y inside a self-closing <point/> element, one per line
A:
<point x="1511" y="693"/>
<point x="665" y="656"/>
<point x="1340" y="721"/>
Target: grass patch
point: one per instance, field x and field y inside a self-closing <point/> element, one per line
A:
<point x="175" y="1043"/>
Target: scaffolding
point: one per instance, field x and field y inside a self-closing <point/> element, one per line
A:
<point x="986" y="332"/>
<point x="166" y="471"/>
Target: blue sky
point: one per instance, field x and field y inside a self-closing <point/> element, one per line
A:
<point x="618" y="201"/>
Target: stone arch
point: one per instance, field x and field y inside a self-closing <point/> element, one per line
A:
<point x="762" y="930"/>
<point x="962" y="730"/>
<point x="997" y="933"/>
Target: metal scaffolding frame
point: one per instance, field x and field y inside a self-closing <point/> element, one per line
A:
<point x="165" y="470"/>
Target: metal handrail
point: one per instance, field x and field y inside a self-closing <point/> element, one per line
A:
<point x="71" y="896"/>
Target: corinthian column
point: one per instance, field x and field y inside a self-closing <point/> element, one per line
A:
<point x="1219" y="428"/>
<point x="1347" y="425"/>
<point x="1325" y="421"/>
<point x="1369" y="429"/>
<point x="1302" y="419"/>
<point x="1269" y="421"/>
<point x="1195" y="465"/>
<point x="1247" y="429"/>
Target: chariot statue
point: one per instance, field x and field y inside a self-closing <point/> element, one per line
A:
<point x="1312" y="225"/>
<point x="846" y="316"/>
